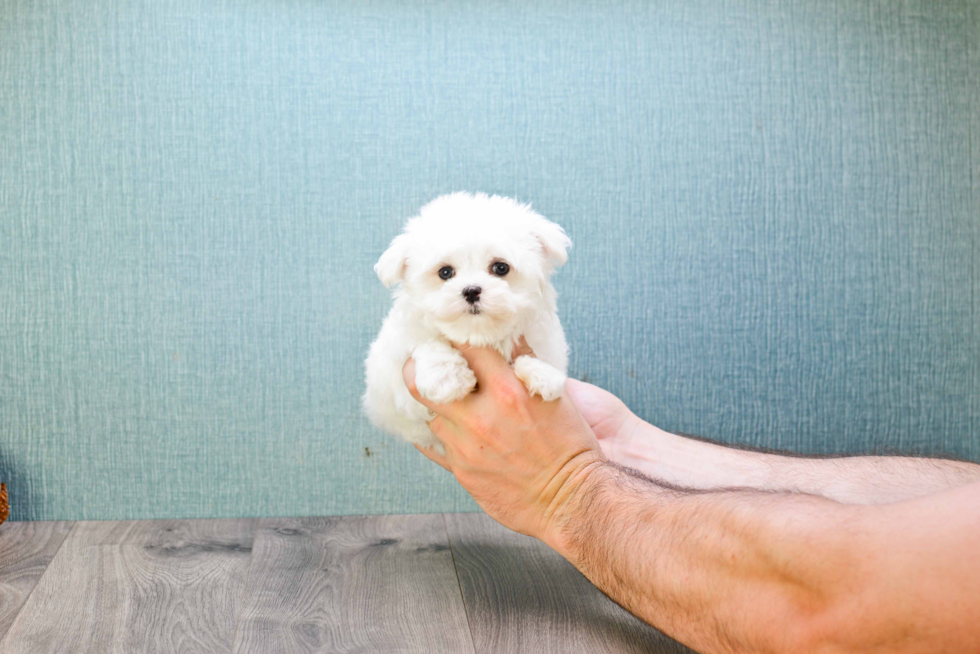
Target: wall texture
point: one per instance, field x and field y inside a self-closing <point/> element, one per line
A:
<point x="775" y="206"/>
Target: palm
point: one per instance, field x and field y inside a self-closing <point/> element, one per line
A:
<point x="606" y="414"/>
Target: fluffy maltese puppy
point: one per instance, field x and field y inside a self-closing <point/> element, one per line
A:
<point x="469" y="269"/>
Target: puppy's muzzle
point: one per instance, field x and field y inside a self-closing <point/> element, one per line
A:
<point x="472" y="294"/>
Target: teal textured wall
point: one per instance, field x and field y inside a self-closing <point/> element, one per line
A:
<point x="775" y="208"/>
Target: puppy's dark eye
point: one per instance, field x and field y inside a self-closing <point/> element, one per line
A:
<point x="446" y="272"/>
<point x="500" y="268"/>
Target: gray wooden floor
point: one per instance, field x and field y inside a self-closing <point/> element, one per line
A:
<point x="417" y="583"/>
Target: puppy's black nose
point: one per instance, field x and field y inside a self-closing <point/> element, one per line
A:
<point x="472" y="294"/>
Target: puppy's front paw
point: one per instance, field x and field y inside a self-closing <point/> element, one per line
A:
<point x="444" y="383"/>
<point x="539" y="378"/>
<point x="442" y="375"/>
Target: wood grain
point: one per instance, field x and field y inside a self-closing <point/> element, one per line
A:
<point x="521" y="596"/>
<point x="148" y="586"/>
<point x="353" y="584"/>
<point x="26" y="549"/>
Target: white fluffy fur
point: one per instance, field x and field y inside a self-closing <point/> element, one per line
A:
<point x="469" y="233"/>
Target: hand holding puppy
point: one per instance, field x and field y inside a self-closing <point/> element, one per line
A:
<point x="522" y="459"/>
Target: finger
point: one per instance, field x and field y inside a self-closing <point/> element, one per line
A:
<point x="408" y="374"/>
<point x="585" y="390"/>
<point x="486" y="363"/>
<point x="432" y="455"/>
<point x="587" y="399"/>
<point x="578" y="388"/>
<point x="522" y="349"/>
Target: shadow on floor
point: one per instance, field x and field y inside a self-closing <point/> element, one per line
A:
<point x="518" y="584"/>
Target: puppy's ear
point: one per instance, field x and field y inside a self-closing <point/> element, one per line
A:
<point x="391" y="266"/>
<point x="554" y="241"/>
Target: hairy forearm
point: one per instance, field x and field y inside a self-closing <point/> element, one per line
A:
<point x="744" y="571"/>
<point x="698" y="464"/>
<point x="737" y="571"/>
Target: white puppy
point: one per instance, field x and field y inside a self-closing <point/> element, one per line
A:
<point x="470" y="269"/>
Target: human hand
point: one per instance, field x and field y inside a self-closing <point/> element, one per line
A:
<point x="522" y="459"/>
<point x="612" y="422"/>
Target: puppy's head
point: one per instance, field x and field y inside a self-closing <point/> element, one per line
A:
<point x="476" y="266"/>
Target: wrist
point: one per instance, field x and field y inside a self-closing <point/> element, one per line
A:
<point x="648" y="449"/>
<point x="643" y="443"/>
<point x="583" y="490"/>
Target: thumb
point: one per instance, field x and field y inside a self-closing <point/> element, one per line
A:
<point x="522" y="349"/>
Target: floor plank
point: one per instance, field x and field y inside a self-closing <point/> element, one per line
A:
<point x="353" y="584"/>
<point x="26" y="549"/>
<point x="146" y="586"/>
<point x="521" y="596"/>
